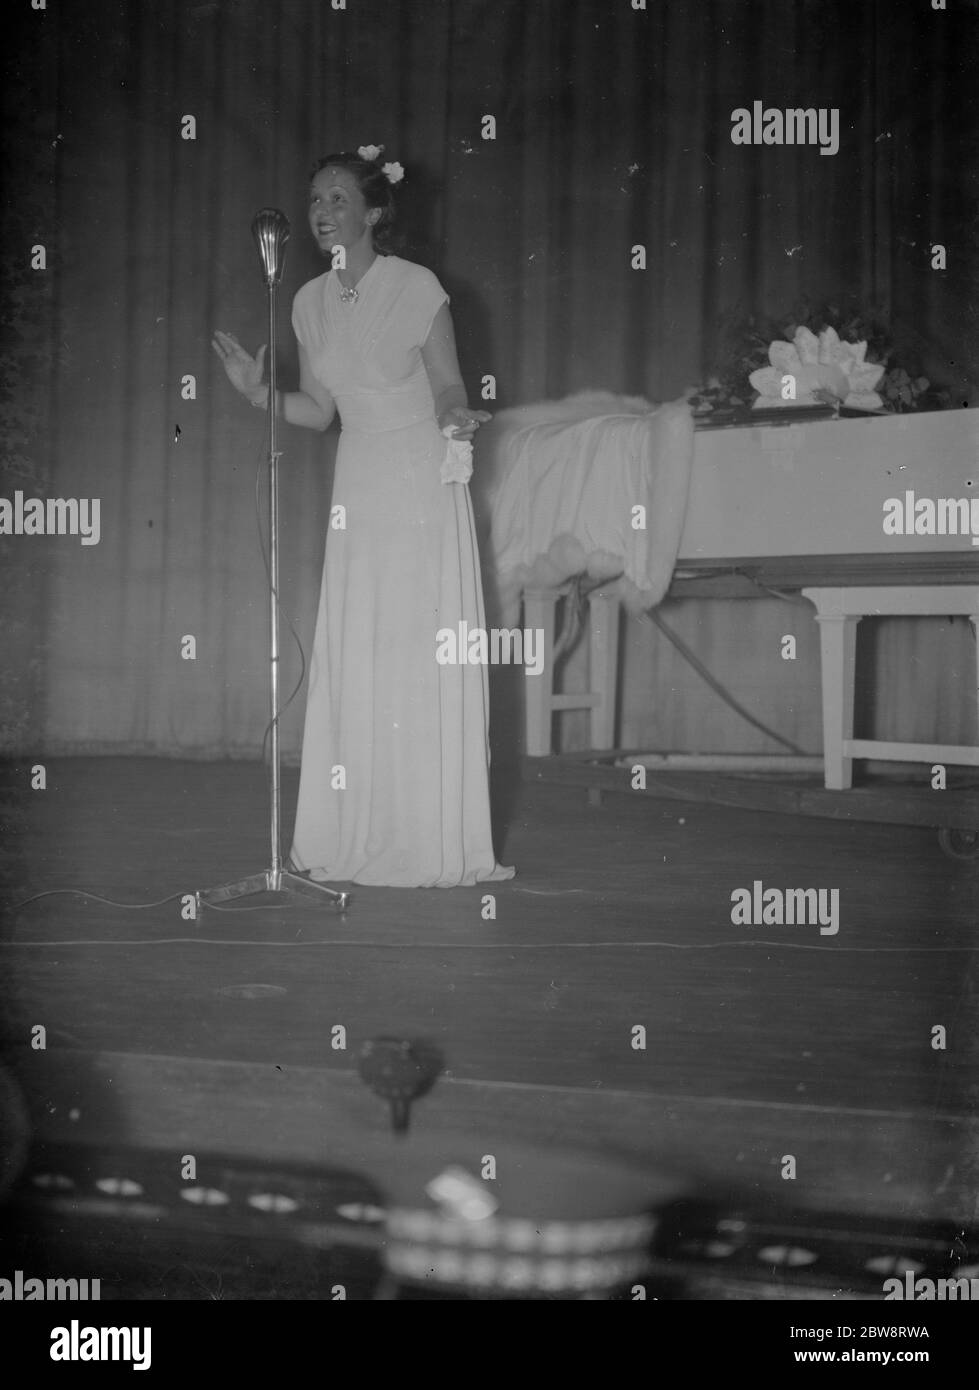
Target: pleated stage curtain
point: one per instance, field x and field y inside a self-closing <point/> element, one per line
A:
<point x="611" y="128"/>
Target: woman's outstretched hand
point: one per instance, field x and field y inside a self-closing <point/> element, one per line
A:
<point x="245" y="373"/>
<point x="466" y="421"/>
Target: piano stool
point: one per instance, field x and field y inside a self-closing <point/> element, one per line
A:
<point x="838" y="611"/>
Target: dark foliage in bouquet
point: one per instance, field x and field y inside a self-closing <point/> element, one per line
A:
<point x="744" y="339"/>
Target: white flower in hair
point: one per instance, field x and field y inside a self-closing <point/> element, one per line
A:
<point x="370" y="151"/>
<point x="394" y="172"/>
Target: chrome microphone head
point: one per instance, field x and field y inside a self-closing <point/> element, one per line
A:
<point x="270" y="229"/>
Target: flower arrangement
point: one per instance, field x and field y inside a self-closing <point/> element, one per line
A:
<point x="821" y="370"/>
<point x="841" y="355"/>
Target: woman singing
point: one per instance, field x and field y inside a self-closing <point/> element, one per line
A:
<point x="394" y="787"/>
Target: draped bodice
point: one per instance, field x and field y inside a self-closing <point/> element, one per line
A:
<point x="367" y="354"/>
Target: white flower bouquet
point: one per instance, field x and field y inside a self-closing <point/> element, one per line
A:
<point x="823" y="370"/>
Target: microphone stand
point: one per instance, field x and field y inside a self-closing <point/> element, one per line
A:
<point x="271" y="231"/>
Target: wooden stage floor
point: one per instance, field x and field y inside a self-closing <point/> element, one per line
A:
<point x="760" y="1041"/>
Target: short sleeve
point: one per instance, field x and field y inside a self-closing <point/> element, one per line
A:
<point x="298" y="318"/>
<point x="427" y="298"/>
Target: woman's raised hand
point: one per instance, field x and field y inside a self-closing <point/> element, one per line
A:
<point x="245" y="373"/>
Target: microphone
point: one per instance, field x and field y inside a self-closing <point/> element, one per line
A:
<point x="270" y="228"/>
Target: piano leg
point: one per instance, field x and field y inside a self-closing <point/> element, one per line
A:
<point x="538" y="610"/>
<point x="838" y="652"/>
<point x="604" y="667"/>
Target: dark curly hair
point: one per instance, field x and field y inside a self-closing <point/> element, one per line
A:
<point x="375" y="187"/>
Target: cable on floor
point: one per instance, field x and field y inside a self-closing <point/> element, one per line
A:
<point x="513" y="945"/>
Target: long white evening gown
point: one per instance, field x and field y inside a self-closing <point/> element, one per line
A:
<point x="394" y="787"/>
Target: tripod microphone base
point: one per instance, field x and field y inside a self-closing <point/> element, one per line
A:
<point x="274" y="881"/>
